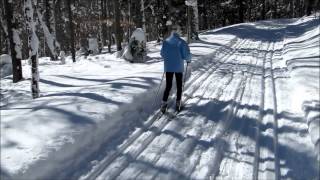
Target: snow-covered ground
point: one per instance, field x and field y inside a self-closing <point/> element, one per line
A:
<point x="251" y="110"/>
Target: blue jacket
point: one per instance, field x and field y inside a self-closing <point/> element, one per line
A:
<point x="174" y="50"/>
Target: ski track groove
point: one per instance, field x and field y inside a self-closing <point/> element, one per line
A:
<point x="234" y="159"/>
<point x="265" y="166"/>
<point x="233" y="111"/>
<point x="107" y="161"/>
<point x="275" y="119"/>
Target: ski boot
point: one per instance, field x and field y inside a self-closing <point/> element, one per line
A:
<point x="164" y="106"/>
<point x="178" y="106"/>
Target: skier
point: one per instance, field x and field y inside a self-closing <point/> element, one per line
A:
<point x="174" y="51"/>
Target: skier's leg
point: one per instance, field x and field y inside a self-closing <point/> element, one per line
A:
<point x="166" y="93"/>
<point x="179" y="85"/>
<point x="169" y="76"/>
<point x="179" y="90"/>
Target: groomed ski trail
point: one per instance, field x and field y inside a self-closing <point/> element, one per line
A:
<point x="228" y="129"/>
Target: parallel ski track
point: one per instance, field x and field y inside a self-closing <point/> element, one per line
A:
<point x="222" y="136"/>
<point x="107" y="161"/>
<point x="236" y="134"/>
<point x="255" y="174"/>
<point x="275" y="124"/>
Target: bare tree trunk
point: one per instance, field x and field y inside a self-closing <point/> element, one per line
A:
<point x="143" y="16"/>
<point x="196" y="20"/>
<point x="1" y="40"/>
<point x="48" y="36"/>
<point x="16" y="61"/>
<point x="249" y="10"/>
<point x="189" y="23"/>
<point x="275" y="10"/>
<point x="103" y="19"/>
<point x="309" y="4"/>
<point x="118" y="29"/>
<point x="129" y="20"/>
<point x="33" y="47"/>
<point x="72" y="43"/>
<point x="48" y="29"/>
<point x="3" y="33"/>
<point x="109" y="25"/>
<point x="263" y="12"/>
<point x="291" y="9"/>
<point x="240" y="11"/>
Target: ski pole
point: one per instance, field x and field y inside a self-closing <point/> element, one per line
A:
<point x="185" y="77"/>
<point x="158" y="89"/>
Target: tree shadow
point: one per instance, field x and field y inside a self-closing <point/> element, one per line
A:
<point x="56" y="83"/>
<point x="4" y="175"/>
<point x="294" y="159"/>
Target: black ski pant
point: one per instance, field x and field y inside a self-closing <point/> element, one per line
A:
<point x="169" y="77"/>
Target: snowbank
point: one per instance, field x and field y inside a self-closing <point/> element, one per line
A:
<point x="302" y="57"/>
<point x="312" y="115"/>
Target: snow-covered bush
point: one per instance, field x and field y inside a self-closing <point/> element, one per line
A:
<point x="93" y="46"/>
<point x="136" y="50"/>
<point x="5" y="65"/>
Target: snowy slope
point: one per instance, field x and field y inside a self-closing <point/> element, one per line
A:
<point x="243" y="116"/>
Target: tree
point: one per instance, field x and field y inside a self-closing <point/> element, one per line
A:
<point x="3" y="32"/>
<point x="309" y="6"/>
<point x="48" y="29"/>
<point x="13" y="41"/>
<point x="240" y="11"/>
<point x="109" y="23"/>
<point x="143" y="16"/>
<point x="71" y="39"/>
<point x="33" y="47"/>
<point x="103" y="18"/>
<point x="50" y="38"/>
<point x="195" y="19"/>
<point x="118" y="30"/>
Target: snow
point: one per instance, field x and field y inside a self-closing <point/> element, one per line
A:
<point x="251" y="106"/>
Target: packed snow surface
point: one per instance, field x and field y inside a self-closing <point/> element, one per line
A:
<point x="251" y="109"/>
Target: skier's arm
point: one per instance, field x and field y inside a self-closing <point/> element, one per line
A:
<point x="186" y="52"/>
<point x="162" y="52"/>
